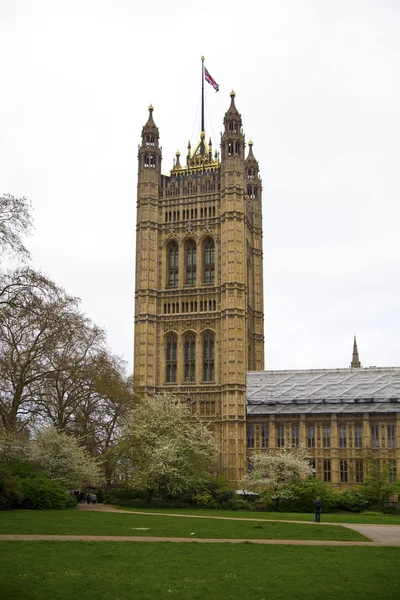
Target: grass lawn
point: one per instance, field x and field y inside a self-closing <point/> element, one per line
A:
<point x="126" y="571"/>
<point x="82" y="522"/>
<point x="246" y="514"/>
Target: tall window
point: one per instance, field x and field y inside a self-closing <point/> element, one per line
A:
<point x="327" y="470"/>
<point x="359" y="471"/>
<point x="343" y="471"/>
<point x="171" y="358"/>
<point x="250" y="436"/>
<point x="295" y="436"/>
<point x="190" y="357"/>
<point x="375" y="436"/>
<point x="392" y="471"/>
<point x="390" y="436"/>
<point x="280" y="436"/>
<point x="343" y="436"/>
<point x="311" y="436"/>
<point x="191" y="260"/>
<point x="264" y="436"/>
<point x="173" y="262"/>
<point x="209" y="261"/>
<point x="326" y="437"/>
<point x="208" y="356"/>
<point x="357" y="436"/>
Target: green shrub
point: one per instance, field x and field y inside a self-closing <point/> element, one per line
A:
<point x="39" y="491"/>
<point x="353" y="501"/>
<point x="204" y="500"/>
<point x="239" y="504"/>
<point x="10" y="493"/>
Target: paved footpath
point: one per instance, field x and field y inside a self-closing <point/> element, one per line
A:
<point x="381" y="535"/>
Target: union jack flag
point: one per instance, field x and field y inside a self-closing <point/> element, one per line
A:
<point x="210" y="80"/>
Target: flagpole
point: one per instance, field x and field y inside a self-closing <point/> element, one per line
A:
<point x="202" y="93"/>
<point x="202" y="107"/>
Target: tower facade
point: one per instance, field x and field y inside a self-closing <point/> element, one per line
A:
<point x="199" y="280"/>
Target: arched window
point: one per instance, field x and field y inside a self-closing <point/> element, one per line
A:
<point x="209" y="261"/>
<point x="173" y="258"/>
<point x="190" y="357"/>
<point x="208" y="356"/>
<point x="171" y="358"/>
<point x="191" y="261"/>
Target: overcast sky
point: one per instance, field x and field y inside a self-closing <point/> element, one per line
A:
<point x="317" y="83"/>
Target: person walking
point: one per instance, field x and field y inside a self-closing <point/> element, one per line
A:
<point x="88" y="498"/>
<point x="318" y="509"/>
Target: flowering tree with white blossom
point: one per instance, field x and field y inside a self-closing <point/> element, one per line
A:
<point x="164" y="449"/>
<point x="61" y="456"/>
<point x="275" y="472"/>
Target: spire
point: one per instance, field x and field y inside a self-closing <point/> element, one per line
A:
<point x="355" y="363"/>
<point x="250" y="157"/>
<point x="232" y="114"/>
<point x="150" y="133"/>
<point x="232" y="140"/>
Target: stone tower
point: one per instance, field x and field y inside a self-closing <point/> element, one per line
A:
<point x="199" y="280"/>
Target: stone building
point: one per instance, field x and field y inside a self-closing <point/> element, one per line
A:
<point x="348" y="419"/>
<point x="199" y="279"/>
<point x="199" y="321"/>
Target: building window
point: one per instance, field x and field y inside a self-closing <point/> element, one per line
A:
<point x="357" y="436"/>
<point x="375" y="436"/>
<point x="295" y="436"/>
<point x="250" y="436"/>
<point x="326" y="436"/>
<point x="171" y="361"/>
<point x="343" y="436"/>
<point x="264" y="436"/>
<point x="191" y="260"/>
<point x="190" y="357"/>
<point x="280" y="436"/>
<point x="359" y="471"/>
<point x="208" y="357"/>
<point x="343" y="471"/>
<point x="173" y="262"/>
<point x="390" y="436"/>
<point x="311" y="436"/>
<point x="392" y="471"/>
<point x="327" y="470"/>
<point x="209" y="261"/>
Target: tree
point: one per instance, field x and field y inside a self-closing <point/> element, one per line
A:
<point x="15" y="222"/>
<point x="35" y="320"/>
<point x="378" y="485"/>
<point x="163" y="450"/>
<point x="65" y="461"/>
<point x="275" y="472"/>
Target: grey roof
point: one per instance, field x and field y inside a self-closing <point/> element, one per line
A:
<point x="374" y="390"/>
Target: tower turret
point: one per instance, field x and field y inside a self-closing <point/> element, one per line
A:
<point x="148" y="190"/>
<point x="149" y="150"/>
<point x="232" y="141"/>
<point x="252" y="174"/>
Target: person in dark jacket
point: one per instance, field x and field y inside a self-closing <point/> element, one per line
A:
<point x="318" y="509"/>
